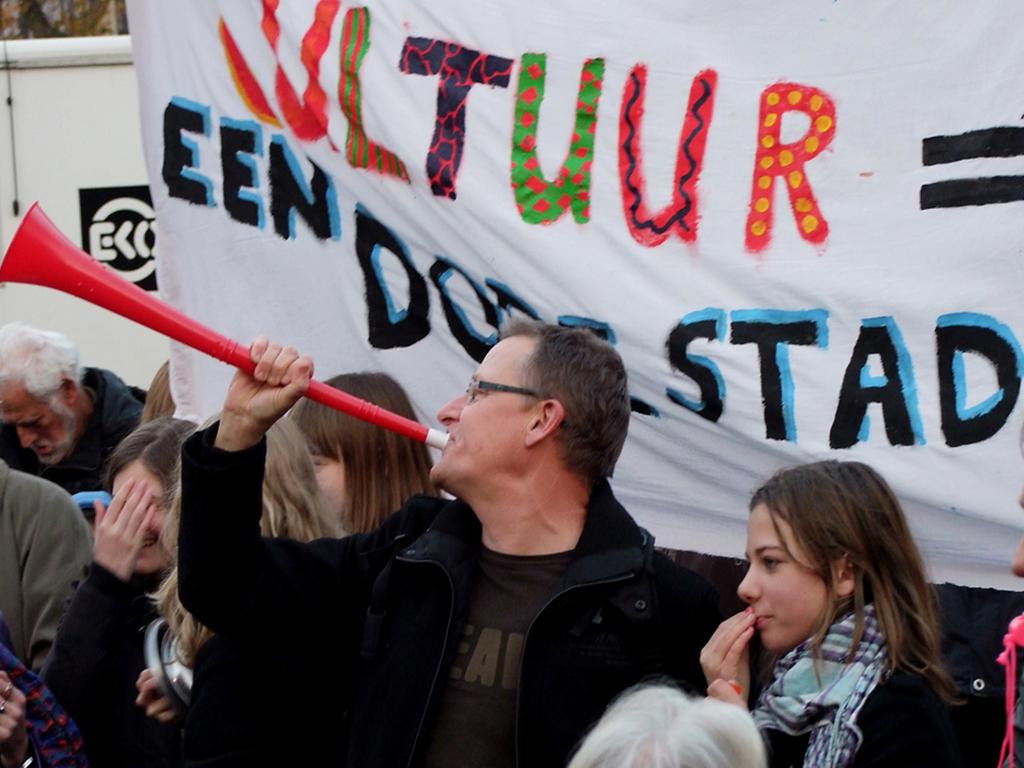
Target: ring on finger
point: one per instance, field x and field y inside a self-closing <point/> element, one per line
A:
<point x="7" y="690"/>
<point x="3" y="705"/>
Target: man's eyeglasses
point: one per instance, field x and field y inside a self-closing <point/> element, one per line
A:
<point x="476" y="386"/>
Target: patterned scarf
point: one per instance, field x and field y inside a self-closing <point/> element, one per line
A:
<point x="53" y="732"/>
<point x="826" y="697"/>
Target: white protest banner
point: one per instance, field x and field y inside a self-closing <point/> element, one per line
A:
<point x="799" y="222"/>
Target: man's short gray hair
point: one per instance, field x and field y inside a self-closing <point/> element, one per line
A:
<point x="658" y="726"/>
<point x="37" y="360"/>
<point x="586" y="375"/>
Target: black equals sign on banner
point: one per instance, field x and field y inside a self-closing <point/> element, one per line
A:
<point x="984" y="190"/>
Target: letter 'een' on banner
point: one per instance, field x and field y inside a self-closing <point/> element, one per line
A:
<point x="798" y="257"/>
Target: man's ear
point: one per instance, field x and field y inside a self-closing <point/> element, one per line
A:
<point x="546" y="418"/>
<point x="69" y="392"/>
<point x="845" y="581"/>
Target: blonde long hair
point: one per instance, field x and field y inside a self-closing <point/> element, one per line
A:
<point x="159" y="402"/>
<point x="292" y="508"/>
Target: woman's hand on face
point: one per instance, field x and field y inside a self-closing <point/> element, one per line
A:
<point x="727" y="654"/>
<point x="13" y="732"/>
<point x="121" y="528"/>
<point x="157" y="705"/>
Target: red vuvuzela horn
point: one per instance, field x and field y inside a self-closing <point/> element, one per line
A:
<point x="40" y="254"/>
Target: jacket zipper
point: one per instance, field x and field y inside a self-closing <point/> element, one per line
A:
<point x="444" y="651"/>
<point x="526" y="639"/>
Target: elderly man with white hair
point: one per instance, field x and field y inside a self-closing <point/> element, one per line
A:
<point x="659" y="726"/>
<point x="60" y="421"/>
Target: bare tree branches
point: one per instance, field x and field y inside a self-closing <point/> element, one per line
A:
<point x="62" y="18"/>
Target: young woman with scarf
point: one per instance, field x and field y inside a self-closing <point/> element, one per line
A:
<point x="838" y="596"/>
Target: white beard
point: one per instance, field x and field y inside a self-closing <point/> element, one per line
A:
<point x="62" y="448"/>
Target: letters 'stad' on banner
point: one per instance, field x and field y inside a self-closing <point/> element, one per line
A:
<point x="801" y="223"/>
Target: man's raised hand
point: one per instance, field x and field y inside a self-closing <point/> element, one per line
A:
<point x="255" y="401"/>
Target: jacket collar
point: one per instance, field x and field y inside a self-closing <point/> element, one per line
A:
<point x="452" y="539"/>
<point x="611" y="545"/>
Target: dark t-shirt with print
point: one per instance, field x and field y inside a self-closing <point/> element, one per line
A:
<point x="475" y="721"/>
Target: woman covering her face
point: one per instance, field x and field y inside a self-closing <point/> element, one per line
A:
<point x="98" y="653"/>
<point x="837" y="593"/>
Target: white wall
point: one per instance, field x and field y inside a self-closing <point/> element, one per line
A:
<point x="75" y="122"/>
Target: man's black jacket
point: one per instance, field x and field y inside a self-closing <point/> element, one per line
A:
<point x="383" y="611"/>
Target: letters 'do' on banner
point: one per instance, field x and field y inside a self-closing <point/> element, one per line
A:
<point x="801" y="223"/>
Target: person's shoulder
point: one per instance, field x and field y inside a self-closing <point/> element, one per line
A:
<point x="905" y="719"/>
<point x="673" y="578"/>
<point x="688" y="603"/>
<point x="37" y="510"/>
<point x="119" y="403"/>
<point x="905" y="691"/>
<point x="101" y="377"/>
<point x="906" y="686"/>
<point x="30" y="492"/>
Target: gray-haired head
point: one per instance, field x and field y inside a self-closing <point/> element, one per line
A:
<point x="585" y="374"/>
<point x="40" y="361"/>
<point x="658" y="726"/>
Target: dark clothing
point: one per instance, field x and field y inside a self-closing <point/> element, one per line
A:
<point x="391" y="605"/>
<point x="476" y="713"/>
<point x="974" y="620"/>
<point x="243" y="693"/>
<point x="116" y="411"/>
<point x="724" y="574"/>
<point x="92" y="669"/>
<point x="904" y="723"/>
